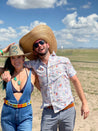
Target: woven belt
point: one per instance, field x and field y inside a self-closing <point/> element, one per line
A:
<point x="16" y="105"/>
<point x="69" y="106"/>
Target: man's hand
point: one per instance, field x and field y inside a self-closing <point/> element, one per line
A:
<point x="84" y="111"/>
<point x="6" y="76"/>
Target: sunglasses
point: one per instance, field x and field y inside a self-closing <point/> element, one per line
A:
<point x="37" y="44"/>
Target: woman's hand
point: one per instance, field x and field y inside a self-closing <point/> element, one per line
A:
<point x="6" y="76"/>
<point x="6" y="49"/>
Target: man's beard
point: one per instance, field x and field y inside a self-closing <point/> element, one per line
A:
<point x="42" y="54"/>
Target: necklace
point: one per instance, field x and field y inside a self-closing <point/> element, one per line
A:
<point x="18" y="82"/>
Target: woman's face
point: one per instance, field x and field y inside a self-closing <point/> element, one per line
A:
<point x="17" y="61"/>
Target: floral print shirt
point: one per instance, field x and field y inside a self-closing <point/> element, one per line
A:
<point x="54" y="81"/>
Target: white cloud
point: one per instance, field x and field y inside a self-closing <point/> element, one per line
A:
<point x="10" y="33"/>
<point x="71" y="9"/>
<point x="87" y="6"/>
<point x="75" y="22"/>
<point x="35" y="23"/>
<point x="1" y="21"/>
<point x="26" y="29"/>
<point x="70" y="19"/>
<point x="7" y="34"/>
<point x="30" y="4"/>
<point x="61" y="2"/>
<point x="79" y="29"/>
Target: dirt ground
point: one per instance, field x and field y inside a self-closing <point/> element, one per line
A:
<point x="89" y="79"/>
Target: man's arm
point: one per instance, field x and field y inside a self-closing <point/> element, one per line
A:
<point x="79" y="90"/>
<point x="36" y="81"/>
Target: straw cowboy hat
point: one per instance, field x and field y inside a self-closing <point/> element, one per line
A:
<point x="43" y="32"/>
<point x="16" y="50"/>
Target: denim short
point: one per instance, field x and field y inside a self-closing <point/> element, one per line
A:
<point x="19" y="119"/>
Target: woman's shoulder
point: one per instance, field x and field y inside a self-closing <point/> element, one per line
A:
<point x="28" y="70"/>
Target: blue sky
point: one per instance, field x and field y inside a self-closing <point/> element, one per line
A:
<point x="74" y="22"/>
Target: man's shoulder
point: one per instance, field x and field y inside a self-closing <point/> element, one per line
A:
<point x="31" y="63"/>
<point x="62" y="58"/>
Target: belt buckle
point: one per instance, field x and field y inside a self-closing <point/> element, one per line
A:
<point x="50" y="107"/>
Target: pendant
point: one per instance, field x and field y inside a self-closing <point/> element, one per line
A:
<point x="19" y="82"/>
<point x="15" y="78"/>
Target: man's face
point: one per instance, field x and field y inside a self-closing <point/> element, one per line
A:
<point x="41" y="47"/>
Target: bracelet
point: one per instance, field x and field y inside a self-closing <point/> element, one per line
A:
<point x="1" y="52"/>
<point x="6" y="70"/>
<point x="9" y="71"/>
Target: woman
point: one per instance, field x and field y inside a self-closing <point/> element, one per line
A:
<point x="17" y="110"/>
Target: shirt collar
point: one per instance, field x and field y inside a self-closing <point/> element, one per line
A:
<point x="53" y="54"/>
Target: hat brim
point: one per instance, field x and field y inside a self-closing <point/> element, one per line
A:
<point x="43" y="32"/>
<point x="26" y="54"/>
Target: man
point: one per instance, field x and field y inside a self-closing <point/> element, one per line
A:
<point x="54" y="74"/>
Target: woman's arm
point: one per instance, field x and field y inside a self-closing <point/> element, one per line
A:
<point x="5" y="50"/>
<point x="1" y="70"/>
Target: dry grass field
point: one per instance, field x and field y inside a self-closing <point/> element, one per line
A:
<point x="87" y="73"/>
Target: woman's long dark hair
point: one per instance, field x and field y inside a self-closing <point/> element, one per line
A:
<point x="8" y="66"/>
